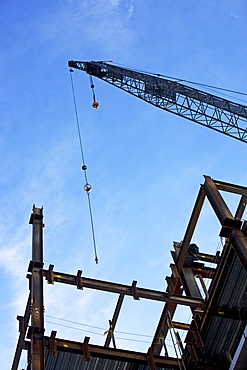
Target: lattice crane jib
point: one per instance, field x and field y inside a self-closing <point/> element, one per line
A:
<point x="209" y="110"/>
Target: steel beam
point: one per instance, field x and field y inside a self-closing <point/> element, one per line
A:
<point x="219" y="206"/>
<point x="20" y="343"/>
<point x="231" y="188"/>
<point x="190" y="229"/>
<point x="162" y="328"/>
<point x="114" y="320"/>
<point x="124" y="289"/>
<point x="180" y="325"/>
<point x="207" y="257"/>
<point x="37" y="310"/>
<point x="112" y="353"/>
<point x="205" y="272"/>
<point x="241" y="207"/>
<point x="239" y="243"/>
<point x="189" y="283"/>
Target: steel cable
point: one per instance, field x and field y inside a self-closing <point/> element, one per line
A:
<point x="87" y="186"/>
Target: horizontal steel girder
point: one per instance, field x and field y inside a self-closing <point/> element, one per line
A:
<point x="123" y="289"/>
<point x="112" y="353"/>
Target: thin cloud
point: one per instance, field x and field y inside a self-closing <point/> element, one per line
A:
<point x="234" y="15"/>
<point x="108" y="27"/>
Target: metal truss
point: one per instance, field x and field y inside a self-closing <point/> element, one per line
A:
<point x="209" y="310"/>
<point x="206" y="109"/>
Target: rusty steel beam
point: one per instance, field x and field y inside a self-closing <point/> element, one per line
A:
<point x="219" y="206"/>
<point x="114" y="320"/>
<point x="124" y="289"/>
<point x="180" y="325"/>
<point x="20" y="344"/>
<point x="241" y="207"/>
<point x="190" y="229"/>
<point x="189" y="283"/>
<point x="231" y="188"/>
<point x="205" y="272"/>
<point x="239" y="243"/>
<point x="207" y="257"/>
<point x="37" y="310"/>
<point x="150" y="359"/>
<point x="162" y="328"/>
<point x="111" y="353"/>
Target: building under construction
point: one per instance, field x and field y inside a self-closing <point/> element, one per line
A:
<point x="216" y="336"/>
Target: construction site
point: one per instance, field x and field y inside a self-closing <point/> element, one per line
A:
<point x="216" y="336"/>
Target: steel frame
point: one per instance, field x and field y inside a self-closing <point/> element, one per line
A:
<point x="182" y="281"/>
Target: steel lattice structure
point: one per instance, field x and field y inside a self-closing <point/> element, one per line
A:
<point x="215" y="337"/>
<point x="208" y="110"/>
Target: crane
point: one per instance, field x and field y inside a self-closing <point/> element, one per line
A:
<point x="201" y="107"/>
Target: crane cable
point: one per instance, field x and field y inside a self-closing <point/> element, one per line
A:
<point x="87" y="186"/>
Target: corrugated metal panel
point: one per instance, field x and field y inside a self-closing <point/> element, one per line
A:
<point x="74" y="361"/>
<point x="223" y="334"/>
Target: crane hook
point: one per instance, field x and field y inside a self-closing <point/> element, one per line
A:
<point x="95" y="104"/>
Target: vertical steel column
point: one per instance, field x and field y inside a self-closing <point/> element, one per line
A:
<point x="37" y="304"/>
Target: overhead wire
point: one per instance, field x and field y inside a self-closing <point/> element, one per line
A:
<point x="100" y="334"/>
<point x="95" y="327"/>
<point x="87" y="186"/>
<point x="187" y="81"/>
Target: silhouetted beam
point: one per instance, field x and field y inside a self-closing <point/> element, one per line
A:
<point x="231" y="188"/>
<point x="207" y="257"/>
<point x="114" y="319"/>
<point x="37" y="309"/>
<point x="123" y="289"/>
<point x="189" y="283"/>
<point x="112" y="353"/>
<point x="241" y="207"/>
<point x="205" y="272"/>
<point x="20" y="344"/>
<point x="180" y="325"/>
<point x="239" y="243"/>
<point x="190" y="229"/>
<point x="162" y="328"/>
<point x="217" y="202"/>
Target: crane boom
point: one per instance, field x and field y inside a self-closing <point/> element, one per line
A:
<point x="201" y="107"/>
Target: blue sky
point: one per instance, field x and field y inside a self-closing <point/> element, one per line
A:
<point x="144" y="165"/>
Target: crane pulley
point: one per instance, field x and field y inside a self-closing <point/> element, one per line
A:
<point x="208" y="110"/>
